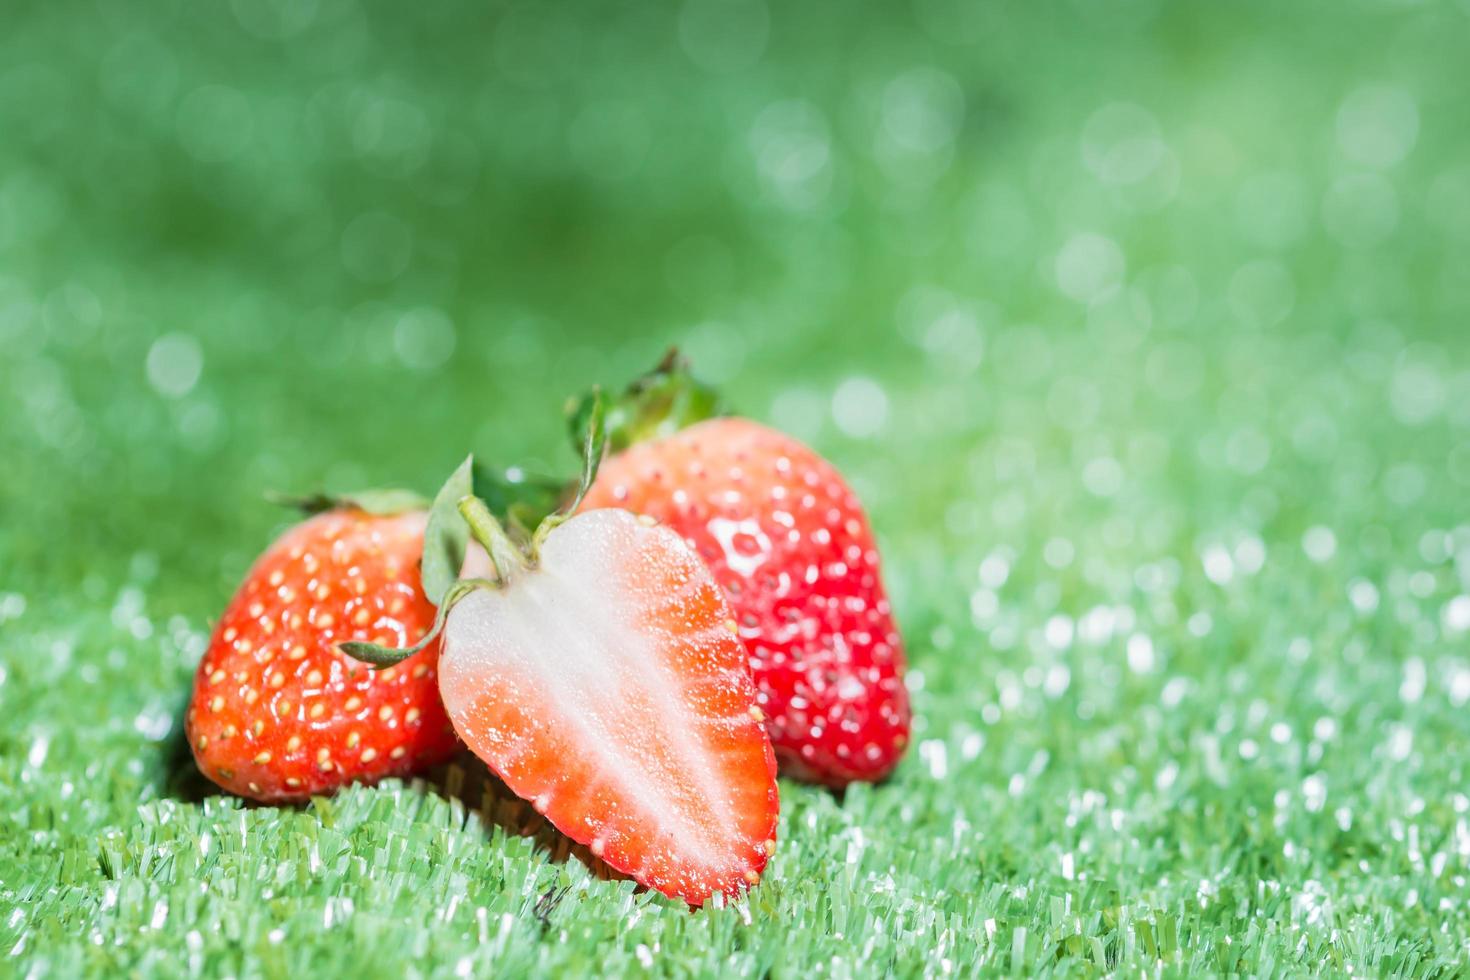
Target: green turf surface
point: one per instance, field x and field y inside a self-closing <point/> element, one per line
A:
<point x="1139" y="327"/>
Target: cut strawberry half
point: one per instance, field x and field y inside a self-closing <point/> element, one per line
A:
<point x="600" y="676"/>
<point x="608" y="687"/>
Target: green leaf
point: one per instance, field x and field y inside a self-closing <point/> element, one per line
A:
<point x="594" y="445"/>
<point x="657" y="404"/>
<point x="447" y="535"/>
<point x="380" y="501"/>
<point x="381" y="657"/>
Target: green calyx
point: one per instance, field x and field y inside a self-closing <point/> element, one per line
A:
<point x="654" y="406"/>
<point x="525" y="501"/>
<point x="462" y="510"/>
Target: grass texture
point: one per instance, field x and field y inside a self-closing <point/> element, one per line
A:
<point x="1137" y="325"/>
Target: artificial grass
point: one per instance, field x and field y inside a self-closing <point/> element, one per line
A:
<point x="1136" y="325"/>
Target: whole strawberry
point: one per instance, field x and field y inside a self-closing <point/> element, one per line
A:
<point x="278" y="713"/>
<point x="790" y="545"/>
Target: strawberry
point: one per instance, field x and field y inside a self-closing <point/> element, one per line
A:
<point x="278" y="713"/>
<point x="598" y="673"/>
<point x="790" y="544"/>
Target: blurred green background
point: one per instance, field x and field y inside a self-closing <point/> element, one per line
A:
<point x="1138" y="325"/>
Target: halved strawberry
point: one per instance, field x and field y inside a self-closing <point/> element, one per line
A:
<point x="607" y="686"/>
<point x="790" y="544"/>
<point x="277" y="713"/>
<point x="600" y="676"/>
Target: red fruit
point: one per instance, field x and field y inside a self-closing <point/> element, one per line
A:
<point x="278" y="713"/>
<point x="602" y="680"/>
<point x="790" y="544"/>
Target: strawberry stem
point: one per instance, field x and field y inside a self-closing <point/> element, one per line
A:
<point x="508" y="559"/>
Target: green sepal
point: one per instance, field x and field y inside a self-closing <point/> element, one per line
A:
<point x="654" y="406"/>
<point x="446" y="536"/>
<point x="526" y="500"/>
<point x="382" y="502"/>
<point x="381" y="657"/>
<point x="594" y="448"/>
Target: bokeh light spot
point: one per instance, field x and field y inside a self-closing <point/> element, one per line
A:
<point x="275" y="20"/>
<point x="860" y="407"/>
<point x="724" y="36"/>
<point x="1088" y="266"/>
<point x="1121" y="144"/>
<point x="921" y="113"/>
<point x="391" y="136"/>
<point x="923" y="109"/>
<point x="424" y="339"/>
<point x="1377" y="125"/>
<point x="174" y="364"/>
<point x="793" y="154"/>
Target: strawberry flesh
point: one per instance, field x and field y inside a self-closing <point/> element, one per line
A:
<point x="606" y="685"/>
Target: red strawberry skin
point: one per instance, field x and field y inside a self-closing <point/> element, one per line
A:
<point x="278" y="713"/>
<point x="790" y="545"/>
